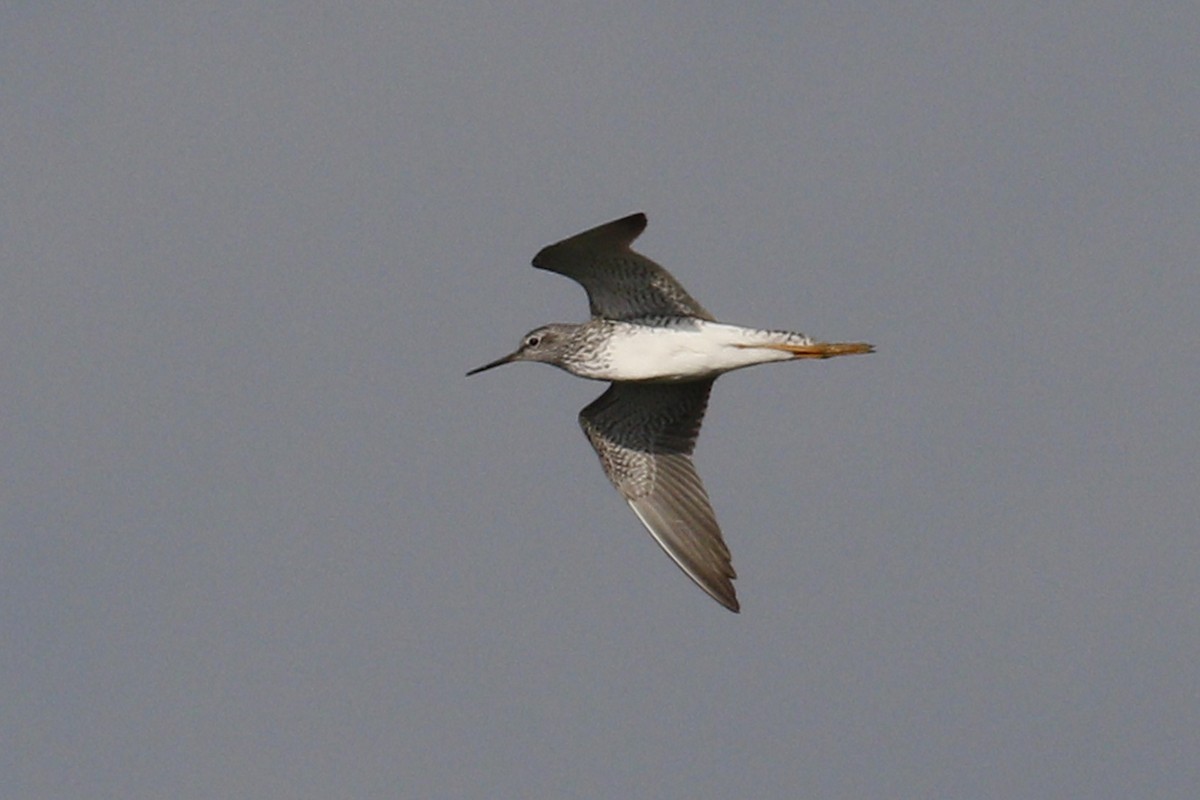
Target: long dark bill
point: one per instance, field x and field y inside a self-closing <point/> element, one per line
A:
<point x="496" y="363"/>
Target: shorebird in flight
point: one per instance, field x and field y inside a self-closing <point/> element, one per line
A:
<point x="661" y="352"/>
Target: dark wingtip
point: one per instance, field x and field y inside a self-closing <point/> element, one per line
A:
<point x="618" y="232"/>
<point x="635" y="223"/>
<point x="725" y="595"/>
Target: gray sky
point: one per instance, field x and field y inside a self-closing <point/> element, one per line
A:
<point x="261" y="538"/>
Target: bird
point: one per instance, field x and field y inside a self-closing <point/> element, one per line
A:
<point x="660" y="352"/>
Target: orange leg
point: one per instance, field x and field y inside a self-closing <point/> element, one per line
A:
<point x="820" y="349"/>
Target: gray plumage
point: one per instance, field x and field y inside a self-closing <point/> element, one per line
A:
<point x="620" y="283"/>
<point x="645" y="433"/>
<point x="661" y="350"/>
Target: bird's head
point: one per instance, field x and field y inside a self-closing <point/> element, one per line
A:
<point x="545" y="344"/>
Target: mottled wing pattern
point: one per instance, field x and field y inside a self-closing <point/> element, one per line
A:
<point x="644" y="434"/>
<point x="620" y="283"/>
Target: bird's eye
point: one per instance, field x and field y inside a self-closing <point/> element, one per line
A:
<point x="533" y="341"/>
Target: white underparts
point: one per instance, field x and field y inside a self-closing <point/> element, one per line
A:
<point x="690" y="351"/>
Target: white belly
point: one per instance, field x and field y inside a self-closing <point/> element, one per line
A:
<point x="688" y="351"/>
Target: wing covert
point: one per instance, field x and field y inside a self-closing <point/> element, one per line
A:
<point x="621" y="284"/>
<point x="644" y="435"/>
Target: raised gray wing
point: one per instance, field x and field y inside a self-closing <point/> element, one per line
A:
<point x="644" y="434"/>
<point x="620" y="283"/>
